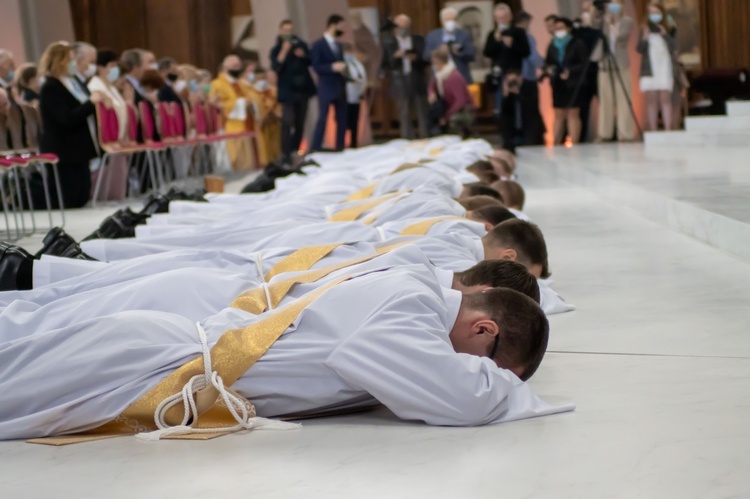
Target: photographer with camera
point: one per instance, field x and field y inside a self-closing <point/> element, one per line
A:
<point x="459" y="42"/>
<point x="290" y="59"/>
<point x="507" y="46"/>
<point x="565" y="65"/>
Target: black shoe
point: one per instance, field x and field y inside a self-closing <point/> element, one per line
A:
<point x="155" y="204"/>
<point x="58" y="243"/>
<point x="262" y="183"/>
<point x="16" y="266"/>
<point x="120" y="225"/>
<point x="308" y="162"/>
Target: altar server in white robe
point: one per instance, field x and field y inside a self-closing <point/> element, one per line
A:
<point x="403" y="341"/>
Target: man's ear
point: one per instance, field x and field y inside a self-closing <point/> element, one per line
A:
<point x="486" y="326"/>
<point x="508" y="254"/>
<point x="488" y="226"/>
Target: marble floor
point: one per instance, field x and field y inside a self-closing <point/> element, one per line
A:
<point x="657" y="359"/>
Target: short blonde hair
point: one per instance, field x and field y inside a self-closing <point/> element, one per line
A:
<point x="56" y="58"/>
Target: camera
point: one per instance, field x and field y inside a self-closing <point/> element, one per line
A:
<point x="601" y="4"/>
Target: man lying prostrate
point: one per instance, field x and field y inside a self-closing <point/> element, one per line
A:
<point x="393" y="337"/>
<point x="514" y="197"/>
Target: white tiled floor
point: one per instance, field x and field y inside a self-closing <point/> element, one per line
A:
<point x="657" y="357"/>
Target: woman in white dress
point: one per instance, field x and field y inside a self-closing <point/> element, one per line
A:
<point x="107" y="73"/>
<point x="658" y="68"/>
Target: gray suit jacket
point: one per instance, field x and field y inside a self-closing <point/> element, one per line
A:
<point x="466" y="55"/>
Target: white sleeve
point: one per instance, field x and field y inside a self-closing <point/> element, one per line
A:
<point x="401" y="356"/>
<point x="551" y="302"/>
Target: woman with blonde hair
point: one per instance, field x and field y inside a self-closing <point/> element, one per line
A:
<point x="69" y="125"/>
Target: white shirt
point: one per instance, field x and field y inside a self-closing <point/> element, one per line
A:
<point x="355" y="89"/>
<point x="332" y="44"/>
<point x="405" y="44"/>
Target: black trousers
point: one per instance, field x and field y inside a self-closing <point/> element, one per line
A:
<point x="293" y="119"/>
<point x="352" y="122"/>
<point x="531" y="118"/>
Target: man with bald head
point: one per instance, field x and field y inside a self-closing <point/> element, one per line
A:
<point x="459" y="42"/>
<point x="403" y="58"/>
<point x="233" y="98"/>
<point x="85" y="57"/>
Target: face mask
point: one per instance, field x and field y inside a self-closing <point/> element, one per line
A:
<point x="450" y="25"/>
<point x="193" y="86"/>
<point x="154" y="66"/>
<point x="172" y="77"/>
<point x="502" y="26"/>
<point x="338" y="33"/>
<point x="114" y="74"/>
<point x="72" y="68"/>
<point x="251" y="77"/>
<point x="234" y="73"/>
<point x="207" y="89"/>
<point x="561" y="33"/>
<point x="180" y="86"/>
<point x="10" y="76"/>
<point x="261" y="86"/>
<point x="41" y="81"/>
<point x="614" y="8"/>
<point x="90" y="71"/>
<point x="655" y="18"/>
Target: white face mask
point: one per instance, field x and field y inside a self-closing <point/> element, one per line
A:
<point x="154" y="66"/>
<point x="261" y="85"/>
<point x="89" y="71"/>
<point x="251" y="77"/>
<point x="561" y="33"/>
<point x="180" y="85"/>
<point x="450" y="26"/>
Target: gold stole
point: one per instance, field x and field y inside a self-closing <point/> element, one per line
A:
<point x="423" y="227"/>
<point x="302" y="259"/>
<point x="255" y="301"/>
<point x="361" y="194"/>
<point x="235" y="352"/>
<point x="353" y="213"/>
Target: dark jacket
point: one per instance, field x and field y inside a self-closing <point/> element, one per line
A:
<point x="167" y="94"/>
<point x="510" y="59"/>
<point x="138" y="99"/>
<point x="331" y="85"/>
<point x="66" y="131"/>
<point x="576" y="56"/>
<point x="466" y="53"/>
<point x="395" y="65"/>
<point x="295" y="82"/>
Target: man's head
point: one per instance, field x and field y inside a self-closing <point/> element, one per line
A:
<point x="439" y="57"/>
<point x="475" y="202"/>
<point x="497" y="274"/>
<point x="502" y="168"/>
<point x="4" y="103"/>
<point x="335" y="26"/>
<point x="505" y="326"/>
<point x="448" y="18"/>
<point x="484" y="171"/>
<point x="479" y="189"/>
<point x="521" y="242"/>
<point x="132" y="63"/>
<point x="490" y="216"/>
<point x="232" y="66"/>
<point x="7" y="65"/>
<point x="503" y="15"/>
<point x="512" y="192"/>
<point x="148" y="60"/>
<point x="403" y="24"/>
<point x="286" y="29"/>
<point x="523" y="20"/>
<point x="85" y="56"/>
<point x="563" y="27"/>
<point x="168" y="69"/>
<point x="549" y="23"/>
<point x="506" y="156"/>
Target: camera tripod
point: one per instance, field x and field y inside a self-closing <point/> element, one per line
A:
<point x="614" y="69"/>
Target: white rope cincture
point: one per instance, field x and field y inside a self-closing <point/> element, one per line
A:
<point x="268" y="296"/>
<point x="235" y="404"/>
<point x="259" y="265"/>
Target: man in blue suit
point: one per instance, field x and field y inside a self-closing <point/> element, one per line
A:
<point x="327" y="57"/>
<point x="459" y="42"/>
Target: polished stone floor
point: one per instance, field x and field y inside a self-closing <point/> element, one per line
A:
<point x="657" y="359"/>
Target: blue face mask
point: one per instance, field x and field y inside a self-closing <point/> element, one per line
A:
<point x="10" y="76"/>
<point x="193" y="86"/>
<point x="72" y="68"/>
<point x="655" y="18"/>
<point x="114" y="74"/>
<point x="614" y="8"/>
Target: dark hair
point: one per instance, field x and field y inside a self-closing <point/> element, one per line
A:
<point x="479" y="189"/>
<point x="152" y="79"/>
<point x="476" y="202"/>
<point x="441" y="54"/>
<point x="512" y="192"/>
<point x="480" y="166"/>
<point x="493" y="214"/>
<point x="504" y="166"/>
<point x="501" y="274"/>
<point x="166" y="63"/>
<point x="567" y="22"/>
<point x="131" y="59"/>
<point x="105" y="56"/>
<point x="524" y="329"/>
<point x="523" y="16"/>
<point x="285" y="22"/>
<point x="333" y="19"/>
<point x="525" y="238"/>
<point x="551" y="17"/>
<point x="26" y="74"/>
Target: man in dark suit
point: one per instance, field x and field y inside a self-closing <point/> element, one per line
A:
<point x="168" y="71"/>
<point x="85" y="56"/>
<point x="327" y="56"/>
<point x="459" y="43"/>
<point x="290" y="59"/>
<point x="135" y="62"/>
<point x="403" y="58"/>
